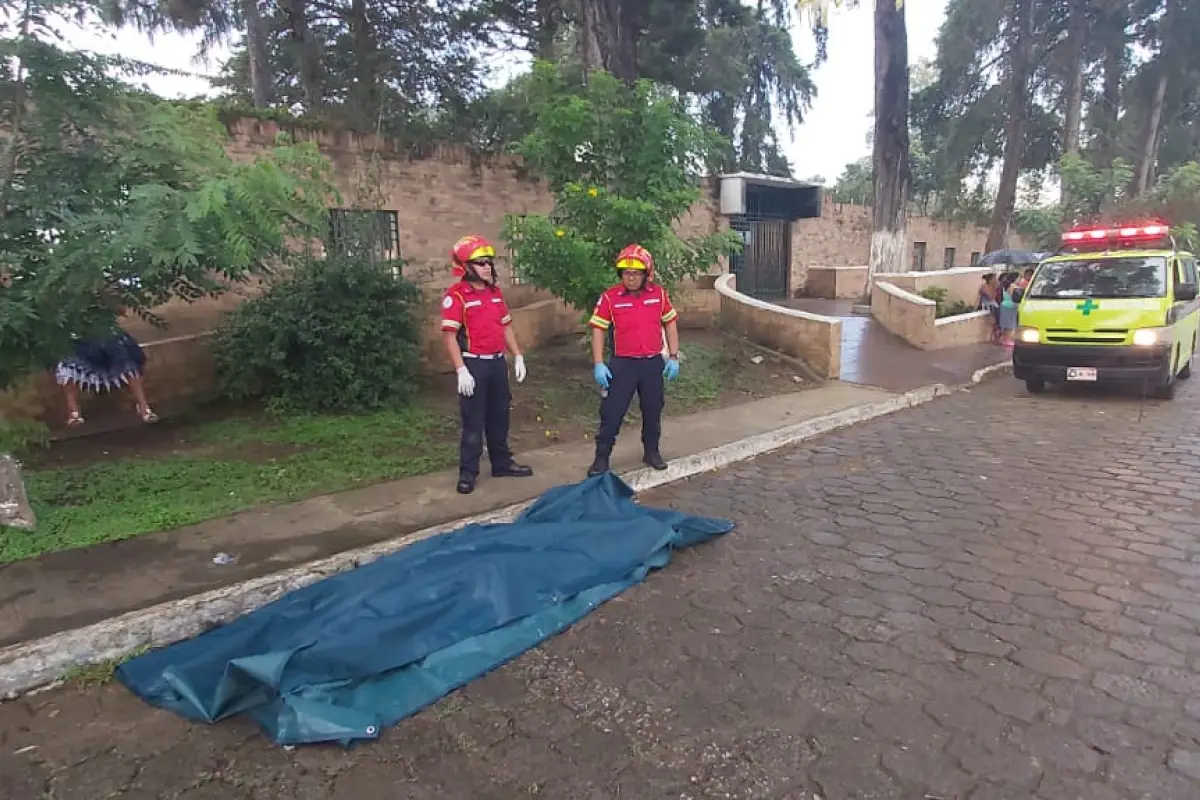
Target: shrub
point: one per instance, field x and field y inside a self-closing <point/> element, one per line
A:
<point x="337" y="335"/>
<point x="944" y="306"/>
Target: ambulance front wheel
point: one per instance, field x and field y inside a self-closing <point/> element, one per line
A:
<point x="1166" y="391"/>
<point x="1035" y="385"/>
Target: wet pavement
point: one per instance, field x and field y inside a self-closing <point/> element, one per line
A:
<point x="989" y="597"/>
<point x="874" y="356"/>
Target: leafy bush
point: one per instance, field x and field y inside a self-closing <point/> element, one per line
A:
<point x="338" y="335"/>
<point x="624" y="165"/>
<point x="114" y="199"/>
<point x="944" y="306"/>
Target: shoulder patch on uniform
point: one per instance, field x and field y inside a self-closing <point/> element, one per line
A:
<point x="447" y="301"/>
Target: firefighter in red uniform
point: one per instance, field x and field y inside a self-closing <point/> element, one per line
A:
<point x="477" y="328"/>
<point x="635" y="312"/>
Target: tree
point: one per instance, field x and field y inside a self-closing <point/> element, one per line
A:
<point x="623" y="163"/>
<point x="111" y="199"/>
<point x="1019" y="64"/>
<point x="890" y="160"/>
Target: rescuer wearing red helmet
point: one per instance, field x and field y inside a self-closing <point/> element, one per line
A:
<point x="476" y="329"/>
<point x="635" y="311"/>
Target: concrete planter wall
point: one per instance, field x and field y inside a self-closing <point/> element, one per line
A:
<point x="812" y="338"/>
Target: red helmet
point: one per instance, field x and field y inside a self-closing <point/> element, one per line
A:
<point x="469" y="248"/>
<point x="636" y="257"/>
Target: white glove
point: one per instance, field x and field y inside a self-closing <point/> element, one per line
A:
<point x="519" y="368"/>
<point x="466" y="381"/>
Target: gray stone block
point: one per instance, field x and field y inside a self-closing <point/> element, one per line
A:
<point x="15" y="511"/>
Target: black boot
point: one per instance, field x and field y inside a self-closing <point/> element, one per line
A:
<point x="512" y="470"/>
<point x="466" y="483"/>
<point x="599" y="464"/>
<point x="654" y="460"/>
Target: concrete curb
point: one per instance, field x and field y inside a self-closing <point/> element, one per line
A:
<point x="43" y="662"/>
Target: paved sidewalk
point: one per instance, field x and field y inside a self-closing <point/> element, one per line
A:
<point x="75" y="588"/>
<point x="935" y="604"/>
<point x="873" y="356"/>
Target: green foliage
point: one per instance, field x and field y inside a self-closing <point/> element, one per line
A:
<point x="339" y="334"/>
<point x="944" y="306"/>
<point x="19" y="437"/>
<point x="114" y="199"/>
<point x="1093" y="194"/>
<point x="623" y="164"/>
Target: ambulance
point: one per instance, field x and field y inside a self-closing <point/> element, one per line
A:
<point x="1116" y="305"/>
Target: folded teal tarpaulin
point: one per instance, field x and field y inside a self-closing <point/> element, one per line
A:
<point x="357" y="652"/>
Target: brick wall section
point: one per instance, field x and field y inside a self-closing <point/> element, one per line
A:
<point x="446" y="192"/>
<point x="440" y="195"/>
<point x="841" y="237"/>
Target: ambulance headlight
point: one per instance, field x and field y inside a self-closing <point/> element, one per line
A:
<point x="1029" y="335"/>
<point x="1147" y="336"/>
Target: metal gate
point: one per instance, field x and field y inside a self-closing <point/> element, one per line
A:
<point x="765" y="263"/>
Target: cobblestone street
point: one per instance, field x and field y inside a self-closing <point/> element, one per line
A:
<point x="990" y="597"/>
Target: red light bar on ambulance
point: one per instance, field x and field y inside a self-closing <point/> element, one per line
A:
<point x="1117" y="236"/>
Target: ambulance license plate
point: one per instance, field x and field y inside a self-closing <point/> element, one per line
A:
<point x="1081" y="373"/>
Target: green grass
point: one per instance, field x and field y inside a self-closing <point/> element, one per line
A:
<point x="233" y="464"/>
<point x="104" y="502"/>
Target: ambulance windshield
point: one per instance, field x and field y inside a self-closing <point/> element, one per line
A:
<point x="1133" y="276"/>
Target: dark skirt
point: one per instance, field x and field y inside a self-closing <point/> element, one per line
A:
<point x="102" y="364"/>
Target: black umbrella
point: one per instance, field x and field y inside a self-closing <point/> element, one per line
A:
<point x="1008" y="256"/>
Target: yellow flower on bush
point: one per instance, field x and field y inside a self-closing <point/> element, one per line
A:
<point x="560" y="233"/>
<point x="592" y="192"/>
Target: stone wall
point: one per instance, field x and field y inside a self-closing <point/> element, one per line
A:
<point x="914" y="319"/>
<point x="961" y="284"/>
<point x="438" y="196"/>
<point x="841" y="237"/>
<point x="815" y="339"/>
<point x="836" y="283"/>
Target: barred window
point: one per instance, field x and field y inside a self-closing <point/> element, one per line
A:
<point x="375" y="234"/>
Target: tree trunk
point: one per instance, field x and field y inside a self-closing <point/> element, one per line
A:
<point x="545" y="37"/>
<point x="607" y="38"/>
<point x="1021" y="44"/>
<point x="308" y="54"/>
<point x="364" y="95"/>
<point x="262" y="83"/>
<point x="1076" y="37"/>
<point x="1150" y="131"/>
<point x="889" y="238"/>
<point x="20" y="101"/>
<point x="1114" y="73"/>
<point x="1153" y="123"/>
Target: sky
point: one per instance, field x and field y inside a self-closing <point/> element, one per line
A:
<point x="833" y="135"/>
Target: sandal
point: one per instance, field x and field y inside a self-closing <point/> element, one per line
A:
<point x="74" y="419"/>
<point x="147" y="414"/>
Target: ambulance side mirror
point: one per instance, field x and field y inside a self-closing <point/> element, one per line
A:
<point x="1185" y="292"/>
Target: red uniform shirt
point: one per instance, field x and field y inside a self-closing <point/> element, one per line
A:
<point x="636" y="319"/>
<point x="479" y="315"/>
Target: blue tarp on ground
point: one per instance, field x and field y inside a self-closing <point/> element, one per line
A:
<point x="343" y="658"/>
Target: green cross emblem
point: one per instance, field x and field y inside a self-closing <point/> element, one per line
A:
<point x="1087" y="306"/>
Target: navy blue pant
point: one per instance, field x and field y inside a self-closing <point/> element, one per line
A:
<point x="629" y="375"/>
<point x="485" y="416"/>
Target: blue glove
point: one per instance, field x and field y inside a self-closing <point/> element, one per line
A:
<point x="672" y="370"/>
<point x="602" y="375"/>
